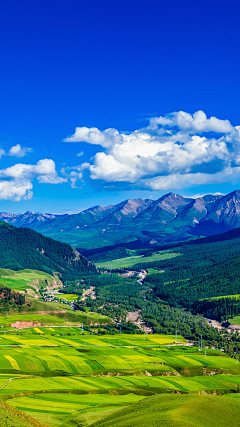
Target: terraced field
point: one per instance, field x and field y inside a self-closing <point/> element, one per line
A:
<point x="60" y="377"/>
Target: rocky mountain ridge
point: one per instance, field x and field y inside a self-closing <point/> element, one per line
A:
<point x="172" y="217"/>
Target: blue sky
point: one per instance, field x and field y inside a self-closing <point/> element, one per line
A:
<point x="130" y="66"/>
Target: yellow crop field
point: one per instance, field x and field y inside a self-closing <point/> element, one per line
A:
<point x="38" y="331"/>
<point x="13" y="362"/>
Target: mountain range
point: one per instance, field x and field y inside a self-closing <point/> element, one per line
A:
<point x="139" y="222"/>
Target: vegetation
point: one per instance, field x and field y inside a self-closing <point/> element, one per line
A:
<point x="176" y="411"/>
<point x="61" y="317"/>
<point x="23" y="280"/>
<point x="218" y="308"/>
<point x="10" y="298"/>
<point x="116" y="253"/>
<point x="97" y="372"/>
<point x="10" y="416"/>
<point x="202" y="271"/>
<point x="136" y="259"/>
<point x="22" y="248"/>
<point x="65" y="378"/>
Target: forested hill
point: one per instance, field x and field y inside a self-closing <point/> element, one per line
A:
<point x="23" y="248"/>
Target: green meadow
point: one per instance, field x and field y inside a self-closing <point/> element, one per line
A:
<point x="131" y="261"/>
<point x="235" y="320"/>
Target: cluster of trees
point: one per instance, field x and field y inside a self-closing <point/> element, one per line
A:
<point x="200" y="271"/>
<point x="10" y="299"/>
<point x="220" y="309"/>
<point x="116" y="296"/>
<point x="116" y="253"/>
<point x="23" y="248"/>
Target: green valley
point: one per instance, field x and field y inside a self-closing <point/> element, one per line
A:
<point x="95" y="345"/>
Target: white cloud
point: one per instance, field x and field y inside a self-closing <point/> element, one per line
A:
<point x="74" y="177"/>
<point x="19" y="151"/>
<point x="51" y="179"/>
<point x="16" y="180"/>
<point x="179" y="181"/>
<point x="197" y="122"/>
<point x="94" y="136"/>
<point x="80" y="154"/>
<point x="44" y="167"/>
<point x="170" y="153"/>
<point x="15" y="190"/>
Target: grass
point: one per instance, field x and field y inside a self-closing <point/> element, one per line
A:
<point x="62" y="407"/>
<point x="37" y="305"/>
<point x="154" y="271"/>
<point x="235" y="320"/>
<point x="237" y="296"/>
<point x="119" y="384"/>
<point x="69" y="297"/>
<point x="52" y="350"/>
<point x="60" y="377"/>
<point x="10" y="416"/>
<point x="177" y="411"/>
<point x="131" y="261"/>
<point x="84" y="401"/>
<point x="22" y="280"/>
<point x="60" y="319"/>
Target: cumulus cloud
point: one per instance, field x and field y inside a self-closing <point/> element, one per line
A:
<point x="19" y="151"/>
<point x="198" y="122"/>
<point x="16" y="151"/>
<point x="171" y="152"/>
<point x="94" y="136"/>
<point x="44" y="167"/>
<point x="15" y="190"/>
<point x="16" y="180"/>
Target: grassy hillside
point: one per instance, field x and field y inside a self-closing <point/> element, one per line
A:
<point x="12" y="417"/>
<point x="176" y="411"/>
<point x="25" y="279"/>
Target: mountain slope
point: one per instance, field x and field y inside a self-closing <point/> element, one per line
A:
<point x="226" y="210"/>
<point x="138" y="222"/>
<point x="23" y="248"/>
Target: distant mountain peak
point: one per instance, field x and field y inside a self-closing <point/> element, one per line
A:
<point x="169" y="218"/>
